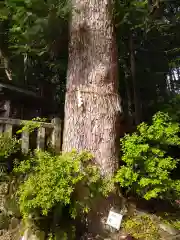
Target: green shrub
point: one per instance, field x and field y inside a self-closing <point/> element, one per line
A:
<point x="141" y="227"/>
<point x="8" y="146"/>
<point x="31" y="125"/>
<point x="172" y="219"/>
<point x="172" y="107"/>
<point x="53" y="179"/>
<point x="148" y="165"/>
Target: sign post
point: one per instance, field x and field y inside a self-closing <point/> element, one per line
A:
<point x="114" y="220"/>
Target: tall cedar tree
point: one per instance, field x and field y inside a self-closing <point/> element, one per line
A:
<point x="92" y="105"/>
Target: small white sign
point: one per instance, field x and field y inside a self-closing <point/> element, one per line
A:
<point x="114" y="220"/>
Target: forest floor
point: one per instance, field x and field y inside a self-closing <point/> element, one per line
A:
<point x="152" y="220"/>
<point x="145" y="220"/>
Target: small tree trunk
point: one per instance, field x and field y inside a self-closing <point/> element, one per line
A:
<point x="129" y="104"/>
<point x="135" y="89"/>
<point x="5" y="62"/>
<point x="171" y="82"/>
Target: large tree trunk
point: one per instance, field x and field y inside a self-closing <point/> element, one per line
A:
<point x="92" y="106"/>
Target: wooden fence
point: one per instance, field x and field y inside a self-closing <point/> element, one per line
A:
<point x="50" y="131"/>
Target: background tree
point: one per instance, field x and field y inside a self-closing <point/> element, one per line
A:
<point x="41" y="38"/>
<point x="34" y="36"/>
<point x="156" y="61"/>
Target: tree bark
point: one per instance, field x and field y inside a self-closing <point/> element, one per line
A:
<point x="92" y="105"/>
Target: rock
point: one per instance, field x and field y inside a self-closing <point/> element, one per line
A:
<point x="4" y="221"/>
<point x="169" y="229"/>
<point x="1" y="232"/>
<point x="125" y="237"/>
<point x="141" y="213"/>
<point x="29" y="235"/>
<point x="4" y="188"/>
<point x="14" y="223"/>
<point x="12" y="207"/>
